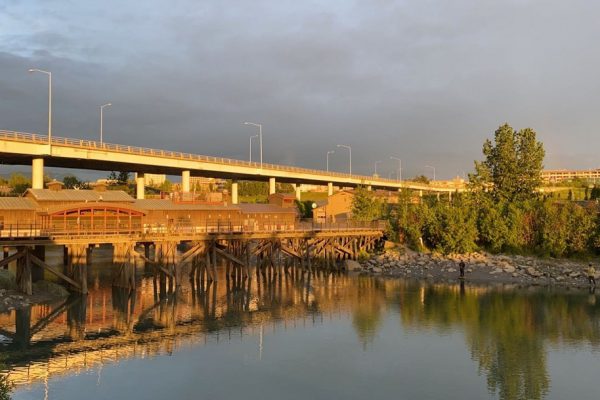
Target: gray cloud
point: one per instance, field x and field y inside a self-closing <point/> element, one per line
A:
<point x="427" y="81"/>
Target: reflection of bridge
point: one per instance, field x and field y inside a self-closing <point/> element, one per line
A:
<point x="29" y="149"/>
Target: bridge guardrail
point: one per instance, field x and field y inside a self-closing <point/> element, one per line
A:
<point x="94" y="145"/>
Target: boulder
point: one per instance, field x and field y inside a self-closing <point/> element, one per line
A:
<point x="377" y="270"/>
<point x="352" y="265"/>
<point x="533" y="272"/>
<point x="509" y="269"/>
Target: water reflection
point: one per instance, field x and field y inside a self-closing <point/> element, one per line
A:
<point x="507" y="330"/>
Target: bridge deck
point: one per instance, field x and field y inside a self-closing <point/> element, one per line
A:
<point x="20" y="148"/>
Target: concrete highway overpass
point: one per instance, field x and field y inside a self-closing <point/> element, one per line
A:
<point x="18" y="148"/>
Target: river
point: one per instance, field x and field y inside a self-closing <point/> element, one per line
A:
<point x="301" y="336"/>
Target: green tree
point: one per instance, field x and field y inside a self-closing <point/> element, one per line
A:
<point x="365" y="207"/>
<point x="421" y="179"/>
<point x="71" y="182"/>
<point x="453" y="228"/>
<point x="166" y="186"/>
<point x="512" y="166"/>
<point x="123" y="178"/>
<point x="19" y="183"/>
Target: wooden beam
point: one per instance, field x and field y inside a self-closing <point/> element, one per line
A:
<point x="230" y="257"/>
<point x="42" y="264"/>
<point x="12" y="258"/>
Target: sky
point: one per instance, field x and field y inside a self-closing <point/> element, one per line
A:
<point x="424" y="80"/>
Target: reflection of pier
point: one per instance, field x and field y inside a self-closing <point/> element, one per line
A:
<point x="114" y="323"/>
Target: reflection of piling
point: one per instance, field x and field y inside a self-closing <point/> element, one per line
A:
<point x="22" y="336"/>
<point x="76" y="317"/>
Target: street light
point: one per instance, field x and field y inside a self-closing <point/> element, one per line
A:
<point x="259" y="126"/>
<point x="102" y="120"/>
<point x="376" y="162"/>
<point x="328" y="153"/>
<point x="399" y="176"/>
<point x="251" y="137"/>
<point x="433" y="168"/>
<point x="350" y="153"/>
<point x="49" y="101"/>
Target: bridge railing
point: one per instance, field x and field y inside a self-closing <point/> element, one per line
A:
<point x="32" y="231"/>
<point x="94" y="145"/>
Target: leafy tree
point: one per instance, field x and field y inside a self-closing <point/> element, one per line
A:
<point x="71" y="182"/>
<point x="19" y="183"/>
<point x="365" y="207"/>
<point x="453" y="228"/>
<point x="166" y="186"/>
<point x="421" y="179"/>
<point x="123" y="178"/>
<point x="512" y="166"/>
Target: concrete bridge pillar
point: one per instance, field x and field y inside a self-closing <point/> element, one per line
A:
<point x="330" y="189"/>
<point x="369" y="188"/>
<point x="449" y="196"/>
<point x="234" y="193"/>
<point x="271" y="185"/>
<point x="140" y="186"/>
<point x="298" y="193"/>
<point x="37" y="173"/>
<point x="185" y="181"/>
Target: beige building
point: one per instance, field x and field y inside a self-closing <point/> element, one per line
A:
<point x="559" y="175"/>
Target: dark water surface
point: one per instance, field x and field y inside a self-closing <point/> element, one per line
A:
<point x="301" y="336"/>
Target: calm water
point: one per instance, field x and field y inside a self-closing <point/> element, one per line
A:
<point x="302" y="337"/>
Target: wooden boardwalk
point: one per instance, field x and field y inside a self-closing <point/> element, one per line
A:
<point x="173" y="249"/>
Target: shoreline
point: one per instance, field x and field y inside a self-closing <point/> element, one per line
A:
<point x="480" y="268"/>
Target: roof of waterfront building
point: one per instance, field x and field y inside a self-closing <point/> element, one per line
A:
<point x="166" y="204"/>
<point x="79" y="195"/>
<point x="251" y="208"/>
<point x="17" y="203"/>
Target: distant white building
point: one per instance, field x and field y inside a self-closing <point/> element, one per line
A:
<point x="153" y="179"/>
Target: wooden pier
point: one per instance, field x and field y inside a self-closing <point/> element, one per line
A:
<point x="172" y="250"/>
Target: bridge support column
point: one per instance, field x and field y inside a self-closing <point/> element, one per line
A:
<point x="330" y="189"/>
<point x="271" y="185"/>
<point x="185" y="181"/>
<point x="234" y="192"/>
<point x="37" y="173"/>
<point x="369" y="188"/>
<point x="140" y="186"/>
<point x="449" y="196"/>
<point x="298" y="193"/>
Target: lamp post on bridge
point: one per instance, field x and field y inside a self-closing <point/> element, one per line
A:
<point x="350" y="153"/>
<point x="49" y="101"/>
<point x="102" y="120"/>
<point x="259" y="126"/>
<point x="328" y="153"/>
<point x="376" y="162"/>
<point x="433" y="168"/>
<point x="399" y="175"/>
<point x="251" y="137"/>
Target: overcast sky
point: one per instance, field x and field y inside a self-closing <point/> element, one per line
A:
<point x="424" y="80"/>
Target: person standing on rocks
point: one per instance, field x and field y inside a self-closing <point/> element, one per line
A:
<point x="591" y="275"/>
<point x="461" y="268"/>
